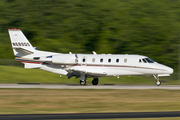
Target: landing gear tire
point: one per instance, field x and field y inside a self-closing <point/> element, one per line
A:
<point x="158" y="83"/>
<point x="82" y="82"/>
<point x="95" y="81"/>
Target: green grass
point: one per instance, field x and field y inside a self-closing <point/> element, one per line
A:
<point x="27" y="101"/>
<point x="12" y="74"/>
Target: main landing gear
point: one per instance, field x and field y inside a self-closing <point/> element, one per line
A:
<point x="158" y="83"/>
<point x="83" y="79"/>
<point x="83" y="82"/>
<point x="95" y="81"/>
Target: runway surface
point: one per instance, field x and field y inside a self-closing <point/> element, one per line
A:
<point x="90" y="115"/>
<point x="59" y="86"/>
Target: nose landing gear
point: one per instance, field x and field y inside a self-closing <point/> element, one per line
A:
<point x="158" y="83"/>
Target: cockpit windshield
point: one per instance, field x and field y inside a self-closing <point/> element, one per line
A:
<point x="149" y="60"/>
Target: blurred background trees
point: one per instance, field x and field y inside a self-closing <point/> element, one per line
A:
<point x="145" y="27"/>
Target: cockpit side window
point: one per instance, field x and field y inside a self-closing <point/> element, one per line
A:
<point x="144" y="61"/>
<point x="140" y="61"/>
<point x="149" y="60"/>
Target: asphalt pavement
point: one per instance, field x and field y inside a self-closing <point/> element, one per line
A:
<point x="76" y="86"/>
<point x="90" y="115"/>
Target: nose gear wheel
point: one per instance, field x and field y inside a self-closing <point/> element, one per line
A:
<point x="158" y="83"/>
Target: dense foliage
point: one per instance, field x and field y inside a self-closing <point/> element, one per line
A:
<point x="146" y="27"/>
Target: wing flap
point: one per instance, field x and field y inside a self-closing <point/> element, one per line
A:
<point x="161" y="75"/>
<point x="92" y="72"/>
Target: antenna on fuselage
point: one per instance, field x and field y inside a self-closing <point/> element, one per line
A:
<point x="94" y="53"/>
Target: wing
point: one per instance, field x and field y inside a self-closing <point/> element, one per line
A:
<point x="87" y="72"/>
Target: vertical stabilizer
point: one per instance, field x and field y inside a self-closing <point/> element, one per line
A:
<point x="20" y="44"/>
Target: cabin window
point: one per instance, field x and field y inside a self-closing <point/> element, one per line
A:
<point x="144" y="61"/>
<point x="93" y="60"/>
<point x="101" y="60"/>
<point x="84" y="60"/>
<point x="109" y="60"/>
<point x="140" y="61"/>
<point x="125" y="60"/>
<point x="117" y="60"/>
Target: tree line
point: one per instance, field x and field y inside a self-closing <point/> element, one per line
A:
<point x="144" y="27"/>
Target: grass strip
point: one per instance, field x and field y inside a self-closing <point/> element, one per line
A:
<point x="37" y="101"/>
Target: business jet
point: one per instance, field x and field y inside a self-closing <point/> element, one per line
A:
<point x="84" y="66"/>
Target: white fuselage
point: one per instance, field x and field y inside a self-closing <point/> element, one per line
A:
<point x="112" y="65"/>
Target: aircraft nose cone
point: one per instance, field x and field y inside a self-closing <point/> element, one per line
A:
<point x="166" y="69"/>
<point x="170" y="70"/>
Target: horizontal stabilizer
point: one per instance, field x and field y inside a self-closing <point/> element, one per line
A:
<point x="31" y="65"/>
<point x="22" y="51"/>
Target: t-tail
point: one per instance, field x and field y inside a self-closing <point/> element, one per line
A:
<point x="20" y="44"/>
<point x="22" y="48"/>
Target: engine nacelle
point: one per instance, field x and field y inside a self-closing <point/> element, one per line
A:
<point x="65" y="59"/>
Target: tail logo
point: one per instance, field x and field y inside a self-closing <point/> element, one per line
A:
<point x="20" y="44"/>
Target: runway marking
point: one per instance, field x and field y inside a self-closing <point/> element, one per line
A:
<point x="59" y="86"/>
<point x="90" y="115"/>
